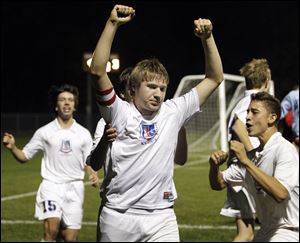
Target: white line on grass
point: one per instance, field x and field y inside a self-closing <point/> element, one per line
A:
<point x="29" y="194"/>
<point x="182" y="226"/>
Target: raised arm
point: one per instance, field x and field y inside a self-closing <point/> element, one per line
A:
<point x="213" y="63"/>
<point x="240" y="130"/>
<point x="9" y="143"/>
<point x="118" y="16"/>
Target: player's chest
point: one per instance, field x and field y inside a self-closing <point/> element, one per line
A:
<point x="64" y="141"/>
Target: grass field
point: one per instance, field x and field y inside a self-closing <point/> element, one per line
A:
<point x="197" y="206"/>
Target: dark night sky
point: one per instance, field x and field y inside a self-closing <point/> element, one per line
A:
<point x="42" y="42"/>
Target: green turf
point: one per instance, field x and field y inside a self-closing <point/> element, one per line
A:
<point x="197" y="204"/>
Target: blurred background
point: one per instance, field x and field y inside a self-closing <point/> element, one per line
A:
<point x="44" y="42"/>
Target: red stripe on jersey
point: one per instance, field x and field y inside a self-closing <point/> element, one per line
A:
<point x="106" y="97"/>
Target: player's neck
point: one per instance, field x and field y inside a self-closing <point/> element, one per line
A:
<point x="264" y="138"/>
<point x="65" y="122"/>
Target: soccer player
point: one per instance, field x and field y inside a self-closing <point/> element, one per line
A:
<point x="257" y="77"/>
<point x="271" y="177"/>
<point x="105" y="135"/>
<point x="138" y="191"/>
<point x="97" y="159"/>
<point x="65" y="144"/>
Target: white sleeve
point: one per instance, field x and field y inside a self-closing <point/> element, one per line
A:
<point x="34" y="146"/>
<point x="235" y="175"/>
<point x="187" y="105"/>
<point x="113" y="109"/>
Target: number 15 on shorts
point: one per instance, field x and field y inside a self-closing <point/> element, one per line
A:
<point x="49" y="205"/>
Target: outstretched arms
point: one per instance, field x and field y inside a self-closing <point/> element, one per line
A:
<point x="213" y="63"/>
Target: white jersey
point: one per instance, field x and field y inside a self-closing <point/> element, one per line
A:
<point x="240" y="111"/>
<point x="139" y="173"/>
<point x="64" y="151"/>
<point x="279" y="159"/>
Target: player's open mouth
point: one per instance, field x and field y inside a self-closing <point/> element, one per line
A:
<point x="248" y="126"/>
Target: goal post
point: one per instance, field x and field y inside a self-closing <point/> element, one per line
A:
<point x="207" y="130"/>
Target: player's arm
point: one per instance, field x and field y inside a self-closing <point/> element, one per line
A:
<point x="215" y="175"/>
<point x="269" y="183"/>
<point x="98" y="156"/>
<point x="118" y="16"/>
<point x="182" y="148"/>
<point x="240" y="130"/>
<point x="213" y="63"/>
<point x="9" y="143"/>
<point x="93" y="176"/>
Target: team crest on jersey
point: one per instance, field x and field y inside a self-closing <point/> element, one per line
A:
<point x="65" y="146"/>
<point x="148" y="132"/>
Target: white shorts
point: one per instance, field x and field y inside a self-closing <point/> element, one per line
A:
<point x="138" y="225"/>
<point x="63" y="200"/>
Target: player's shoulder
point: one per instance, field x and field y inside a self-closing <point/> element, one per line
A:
<point x="47" y="127"/>
<point x="187" y="97"/>
<point x="280" y="145"/>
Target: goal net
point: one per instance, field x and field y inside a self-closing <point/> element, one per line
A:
<point x="207" y="130"/>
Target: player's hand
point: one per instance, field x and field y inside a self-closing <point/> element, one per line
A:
<point x="8" y="141"/>
<point x="217" y="158"/>
<point x="203" y="28"/>
<point x="121" y="14"/>
<point x="93" y="178"/>
<point x="239" y="149"/>
<point x="110" y="133"/>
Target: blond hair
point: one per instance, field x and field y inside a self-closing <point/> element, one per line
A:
<point x="147" y="70"/>
<point x="256" y="73"/>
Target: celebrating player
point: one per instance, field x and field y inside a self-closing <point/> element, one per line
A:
<point x="271" y="177"/>
<point x="65" y="145"/>
<point x="105" y="134"/>
<point x="257" y="77"/>
<point x="138" y="191"/>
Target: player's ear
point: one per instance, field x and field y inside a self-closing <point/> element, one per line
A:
<point x="272" y="118"/>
